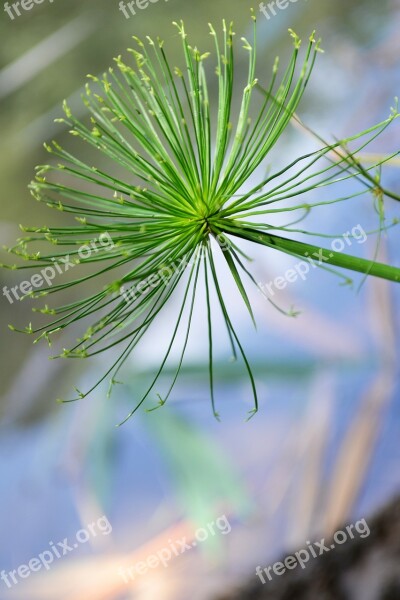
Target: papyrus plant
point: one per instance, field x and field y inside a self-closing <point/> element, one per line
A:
<point x="171" y="176"/>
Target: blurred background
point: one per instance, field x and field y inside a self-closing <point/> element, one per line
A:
<point x="324" y="447"/>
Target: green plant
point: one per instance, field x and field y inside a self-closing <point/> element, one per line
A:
<point x="183" y="184"/>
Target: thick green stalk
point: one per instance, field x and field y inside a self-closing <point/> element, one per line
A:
<point x="310" y="252"/>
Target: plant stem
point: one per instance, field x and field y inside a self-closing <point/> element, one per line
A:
<point x="309" y="252"/>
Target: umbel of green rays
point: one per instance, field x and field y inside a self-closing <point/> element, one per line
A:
<point x="171" y="176"/>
